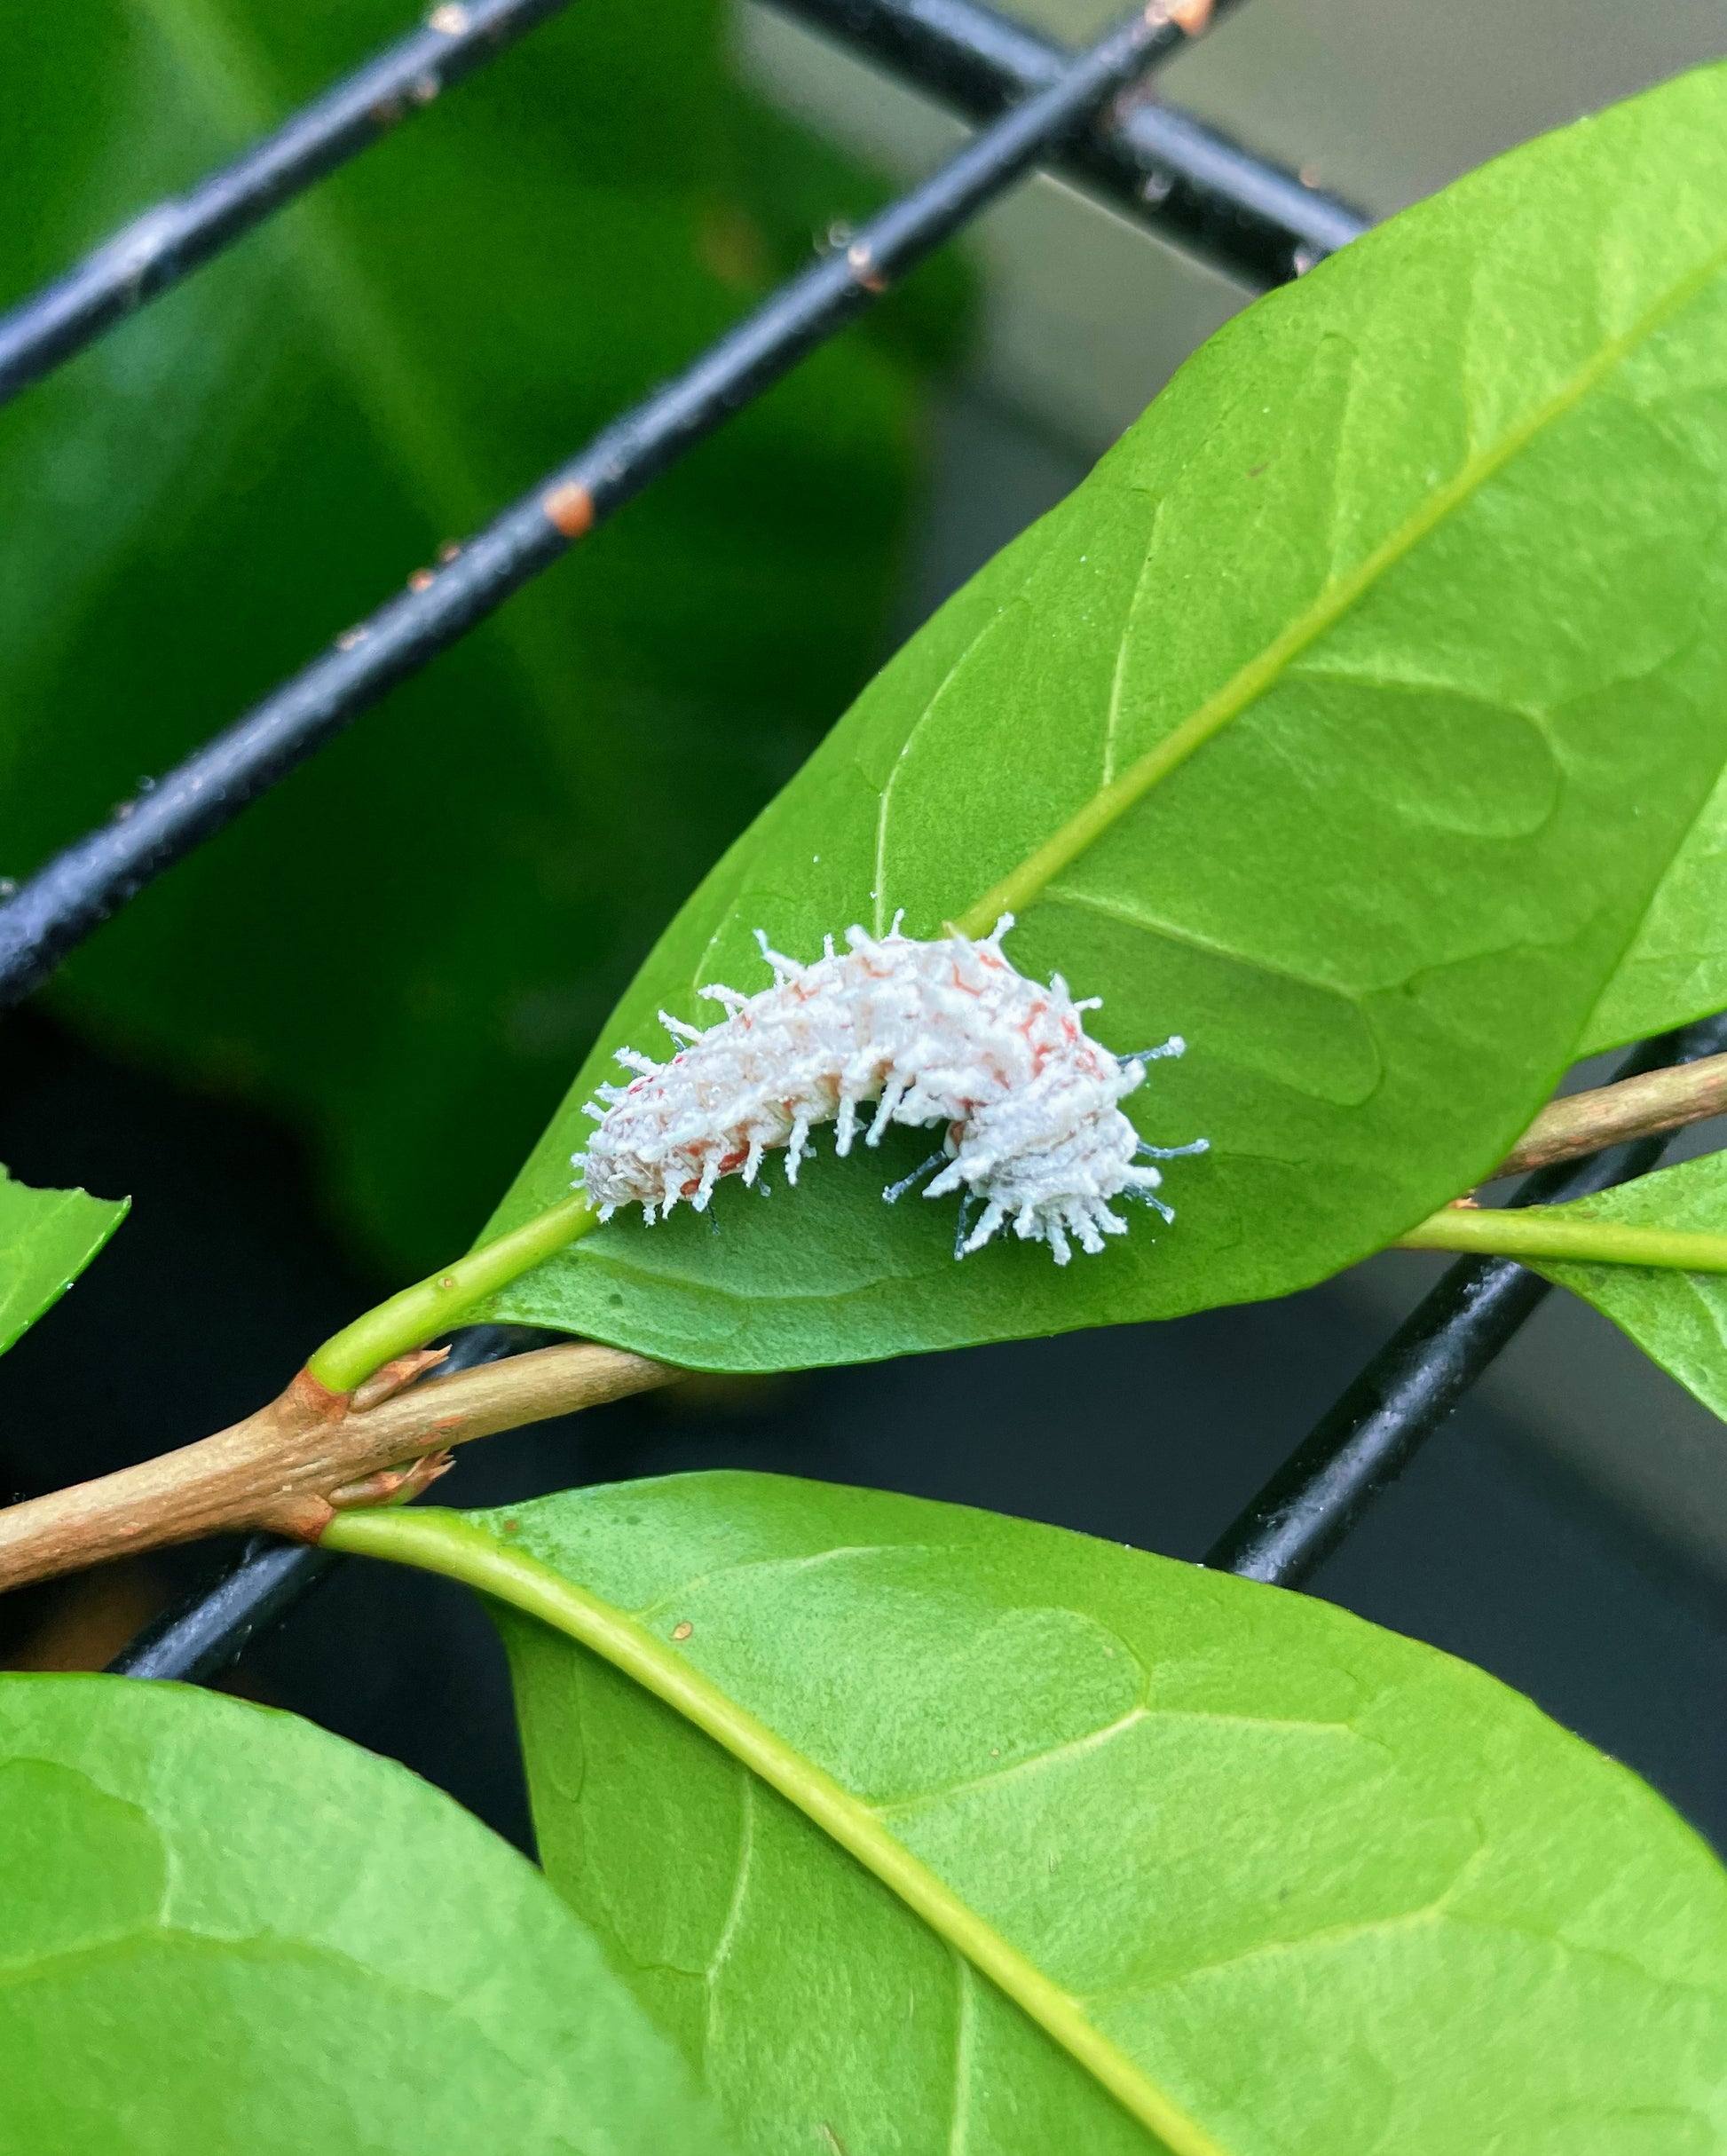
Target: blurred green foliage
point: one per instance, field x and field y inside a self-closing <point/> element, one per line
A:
<point x="410" y="943"/>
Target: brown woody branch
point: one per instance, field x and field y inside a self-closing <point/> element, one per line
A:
<point x="1634" y="1108"/>
<point x="294" y="1463"/>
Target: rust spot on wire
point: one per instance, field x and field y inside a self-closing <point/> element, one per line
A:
<point x="1190" y="15"/>
<point x="571" y="507"/>
<point x="863" y="264"/>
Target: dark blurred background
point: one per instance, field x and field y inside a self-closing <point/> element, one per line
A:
<point x="314" y="1057"/>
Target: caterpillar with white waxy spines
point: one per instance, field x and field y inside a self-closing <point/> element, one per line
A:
<point x="945" y="1032"/>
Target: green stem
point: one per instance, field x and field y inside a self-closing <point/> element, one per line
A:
<point x="445" y="1542"/>
<point x="1555" y="1232"/>
<point x="419" y="1313"/>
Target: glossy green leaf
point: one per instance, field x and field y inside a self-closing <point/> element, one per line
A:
<point x="410" y="943"/>
<point x="47" y="1237"/>
<point x="1679" y="1319"/>
<point x="1419" y="558"/>
<point x="222" y="1930"/>
<point x="1318" y="1889"/>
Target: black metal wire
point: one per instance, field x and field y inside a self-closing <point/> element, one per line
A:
<point x="171" y="241"/>
<point x="1170" y="171"/>
<point x="203" y="1638"/>
<point x="78" y="889"/>
<point x="1361" y="1444"/>
<point x="207" y="1634"/>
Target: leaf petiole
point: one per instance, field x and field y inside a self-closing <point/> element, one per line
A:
<point x="1554" y="1231"/>
<point x="419" y="1313"/>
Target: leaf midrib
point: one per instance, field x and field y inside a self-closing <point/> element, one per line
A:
<point x="444" y="1543"/>
<point x="1023" y="885"/>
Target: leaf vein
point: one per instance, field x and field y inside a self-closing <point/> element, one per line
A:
<point x="733" y="1916"/>
<point x="1058" y="1755"/>
<point x="1192" y="939"/>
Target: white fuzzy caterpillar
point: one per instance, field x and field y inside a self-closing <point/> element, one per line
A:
<point x="945" y="1032"/>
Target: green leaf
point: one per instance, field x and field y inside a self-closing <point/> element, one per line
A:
<point x="1345" y="721"/>
<point x="1677" y="968"/>
<point x="408" y="945"/>
<point x="221" y="1929"/>
<point x="1678" y="1319"/>
<point x="1291" y="1885"/>
<point x="47" y="1237"/>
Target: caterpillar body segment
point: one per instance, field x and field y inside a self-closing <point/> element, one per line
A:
<point x="891" y="1030"/>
